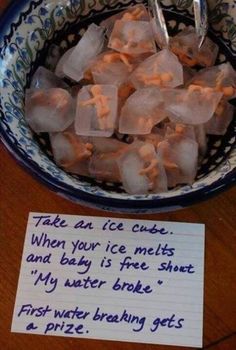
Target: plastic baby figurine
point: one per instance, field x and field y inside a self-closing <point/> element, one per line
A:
<point x="151" y="170"/>
<point x="101" y="103"/>
<point x="96" y="111"/>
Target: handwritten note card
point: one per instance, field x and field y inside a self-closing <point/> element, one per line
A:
<point x="114" y="279"/>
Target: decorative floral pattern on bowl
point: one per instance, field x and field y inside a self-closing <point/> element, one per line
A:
<point x="29" y="28"/>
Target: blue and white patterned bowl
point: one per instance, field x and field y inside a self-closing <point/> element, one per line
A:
<point x="28" y="28"/>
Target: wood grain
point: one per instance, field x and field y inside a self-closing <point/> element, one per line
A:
<point x="20" y="194"/>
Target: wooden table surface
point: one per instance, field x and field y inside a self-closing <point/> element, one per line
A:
<point x="20" y="194"/>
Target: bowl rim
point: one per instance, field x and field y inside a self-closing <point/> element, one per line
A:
<point x="93" y="200"/>
<point x="114" y="204"/>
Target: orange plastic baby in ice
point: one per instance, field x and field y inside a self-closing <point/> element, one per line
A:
<point x="116" y="56"/>
<point x="151" y="170"/>
<point x="155" y="79"/>
<point x="134" y="15"/>
<point x="99" y="100"/>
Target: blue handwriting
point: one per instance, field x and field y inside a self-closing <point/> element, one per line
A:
<point x="170" y="267"/>
<point x="135" y="288"/>
<point x="49" y="220"/>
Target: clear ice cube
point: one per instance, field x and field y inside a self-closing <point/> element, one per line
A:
<point x="90" y="45"/>
<point x="142" y="111"/>
<point x="162" y="70"/>
<point x="50" y="110"/>
<point x="45" y="79"/>
<point x="132" y="37"/>
<point x="96" y="113"/>
<point x="222" y="118"/>
<point x="185" y="46"/>
<point x="59" y="71"/>
<point x="180" y="159"/>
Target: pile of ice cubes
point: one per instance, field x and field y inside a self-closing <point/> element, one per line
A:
<point x="123" y="87"/>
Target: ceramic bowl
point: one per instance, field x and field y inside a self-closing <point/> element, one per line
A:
<point x="28" y="29"/>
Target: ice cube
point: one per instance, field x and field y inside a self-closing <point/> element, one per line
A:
<point x="185" y="46"/>
<point x="69" y="149"/>
<point x="134" y="13"/>
<point x="180" y="159"/>
<point x="152" y="138"/>
<point x="59" y="71"/>
<point x="191" y="106"/>
<point x="141" y="170"/>
<point x="223" y="116"/>
<point x="50" y="110"/>
<point x="220" y="78"/>
<point x="89" y="46"/>
<point x="104" y="167"/>
<point x="158" y="33"/>
<point x="96" y="113"/>
<point x="107" y="145"/>
<point x="177" y="131"/>
<point x="162" y="69"/>
<point x="111" y="68"/>
<point x="45" y="79"/>
<point x="142" y="111"/>
<point x="132" y="37"/>
<point x="189" y="74"/>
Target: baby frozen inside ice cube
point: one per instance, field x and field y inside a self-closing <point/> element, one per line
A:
<point x="186" y="46"/>
<point x="141" y="111"/>
<point x="111" y="68"/>
<point x="220" y="78"/>
<point x="69" y="149"/>
<point x="134" y="13"/>
<point x="96" y="112"/>
<point x="141" y="170"/>
<point x="223" y="116"/>
<point x="162" y="70"/>
<point x="132" y="37"/>
<point x="50" y="110"/>
<point x="180" y="159"/>
<point x="191" y="106"/>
